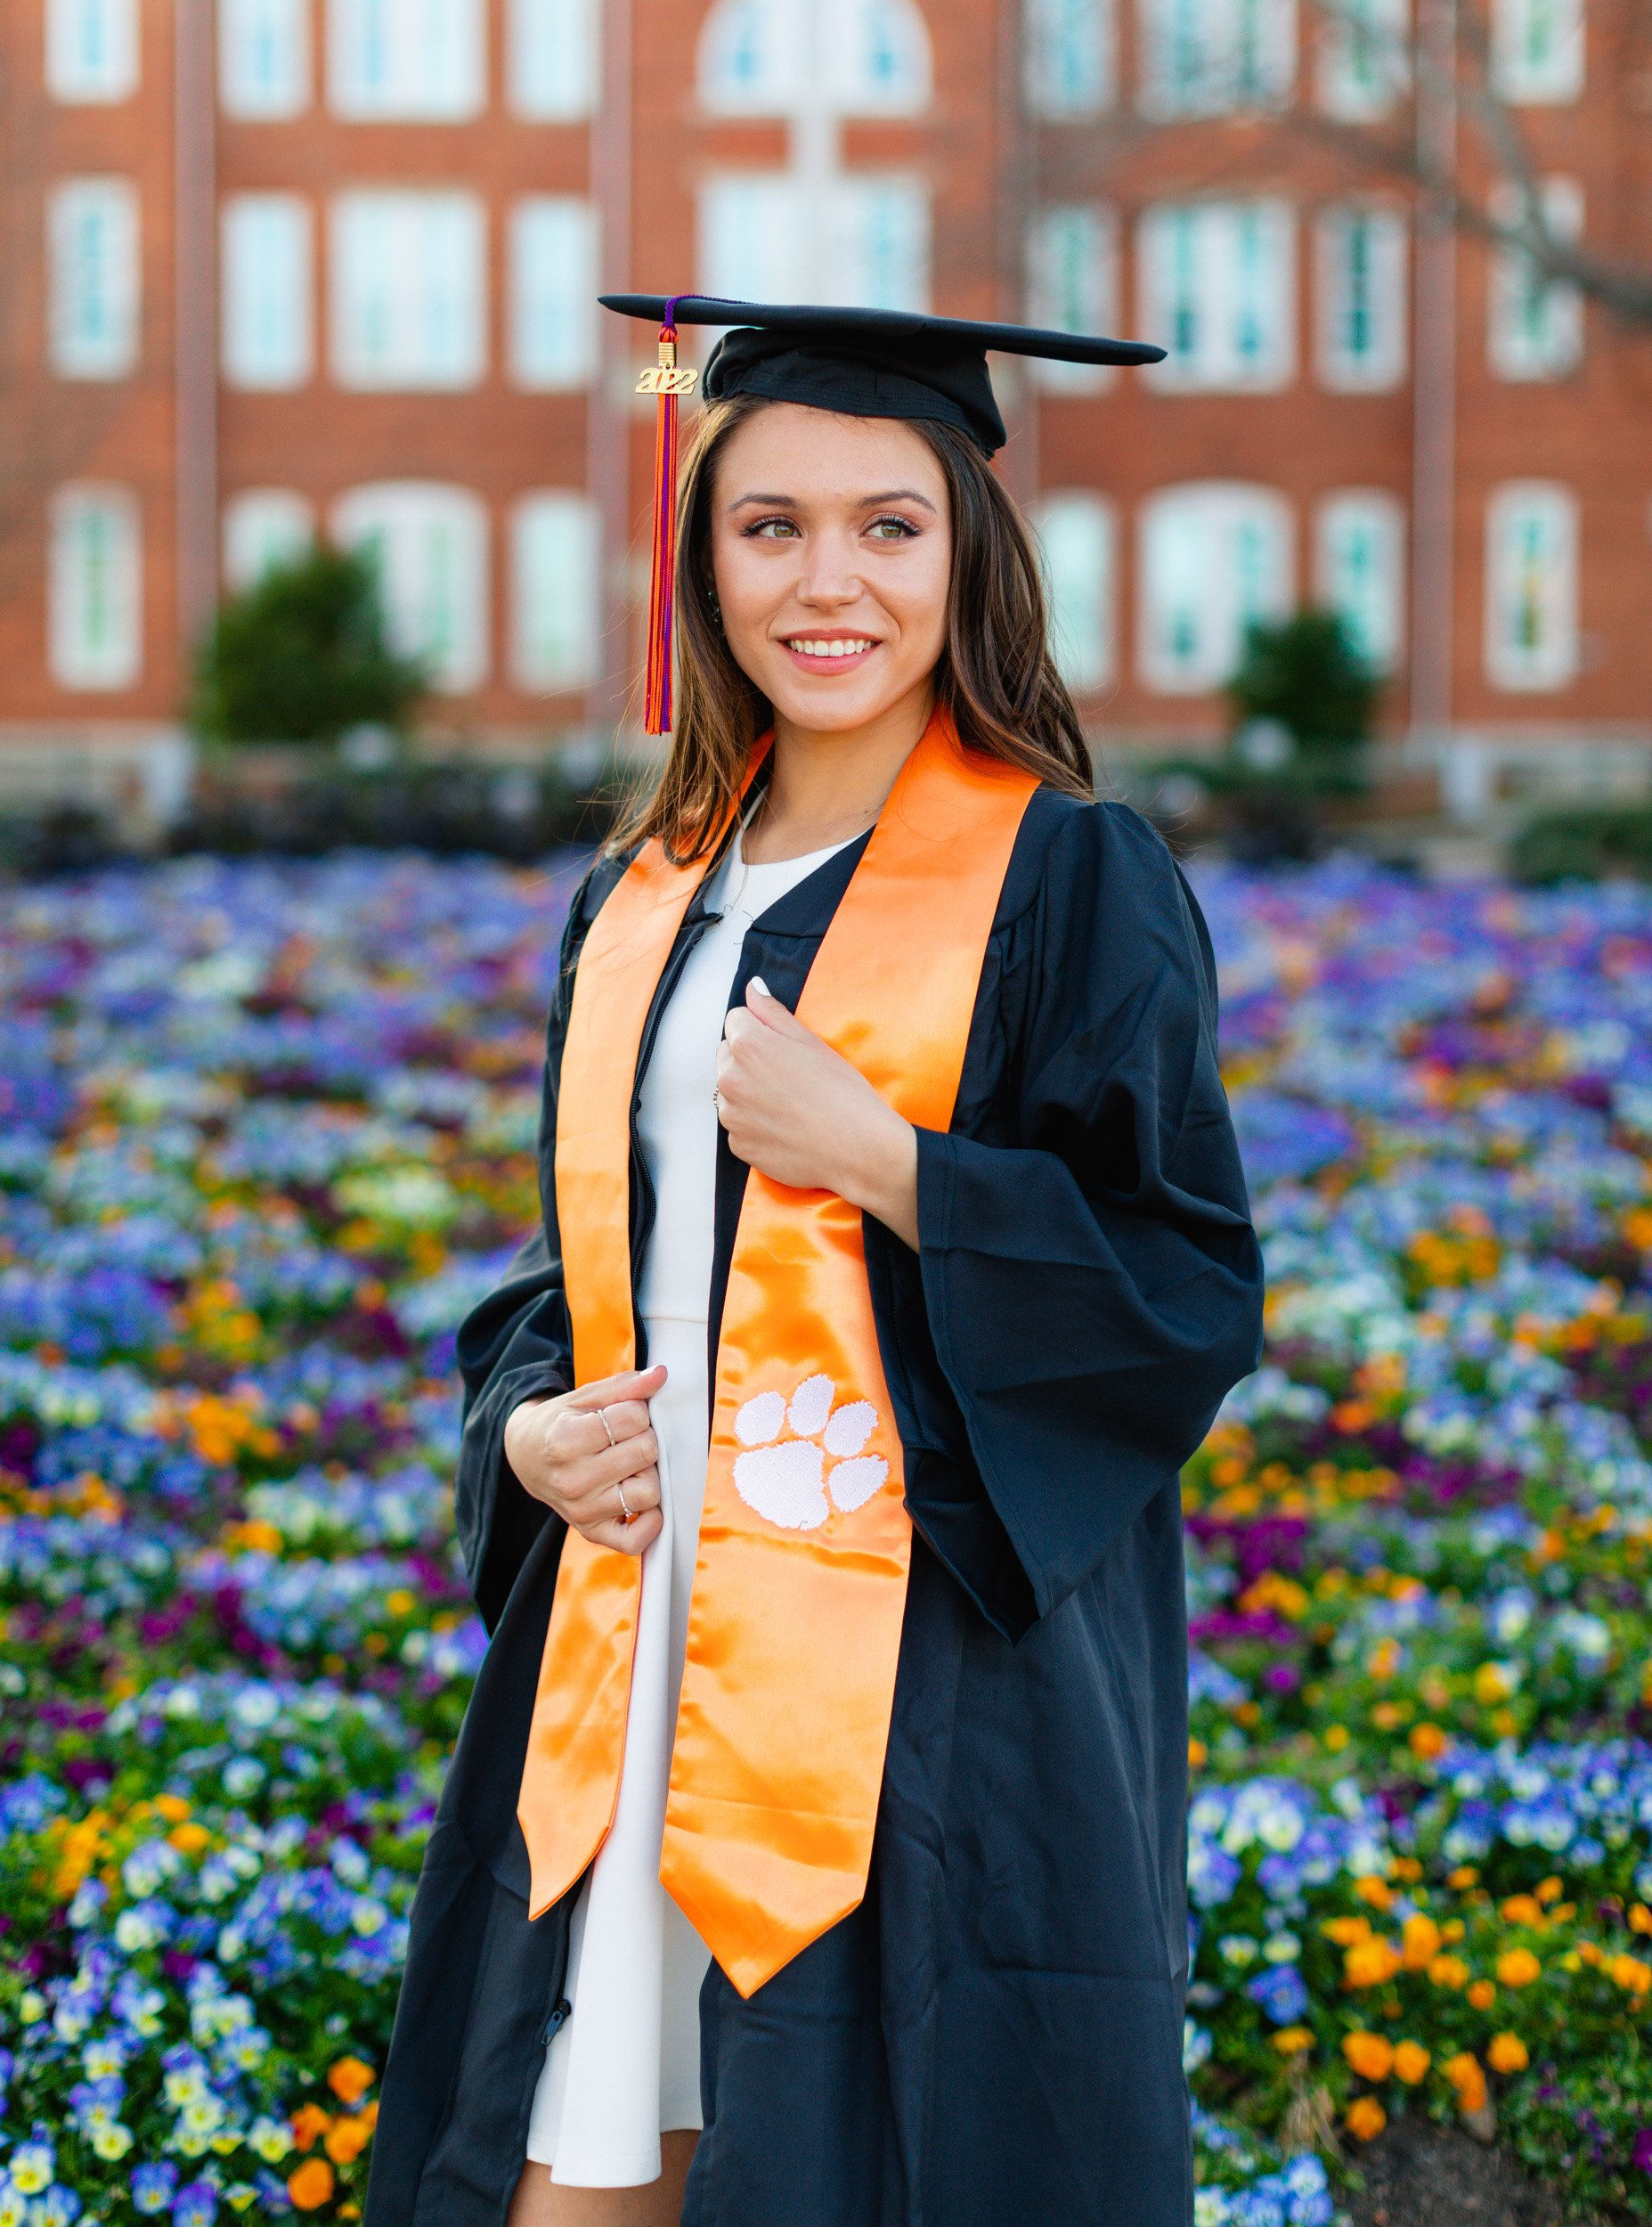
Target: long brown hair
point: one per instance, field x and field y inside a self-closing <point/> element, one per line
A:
<point x="995" y="677"/>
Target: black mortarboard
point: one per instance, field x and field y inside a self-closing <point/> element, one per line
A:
<point x="865" y="363"/>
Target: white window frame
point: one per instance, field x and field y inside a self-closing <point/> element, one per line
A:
<point x="1072" y="286"/>
<point x="407" y="61"/>
<point x="1214" y="517"/>
<point x="1381" y="366"/>
<point x="819" y="56"/>
<point x="389" y="289"/>
<point x="1363" y="59"/>
<point x="91" y="56"/>
<point x="1214" y="271"/>
<point x="94" y="316"/>
<point x="1533" y="326"/>
<point x="267" y="291"/>
<point x="1374" y="617"/>
<point x="251" y="32"/>
<point x="553" y="652"/>
<point x="115" y="663"/>
<point x="554" y="59"/>
<point x="264" y="527"/>
<point x="1217" y="57"/>
<point x="1070" y="59"/>
<point x="553" y="254"/>
<point x="431" y="542"/>
<point x="1077" y="547"/>
<point x="1546" y="660"/>
<point x="755" y="245"/>
<point x="1525" y="76"/>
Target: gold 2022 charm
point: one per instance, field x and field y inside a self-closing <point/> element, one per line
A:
<point x="660" y="378"/>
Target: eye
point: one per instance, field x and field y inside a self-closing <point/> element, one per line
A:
<point x="892" y="529"/>
<point x="769" y="529"/>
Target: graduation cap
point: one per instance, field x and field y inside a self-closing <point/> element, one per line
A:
<point x="863" y="362"/>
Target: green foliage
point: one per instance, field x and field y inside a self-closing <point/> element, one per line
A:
<point x="1305" y="673"/>
<point x="1584" y="843"/>
<point x="302" y="656"/>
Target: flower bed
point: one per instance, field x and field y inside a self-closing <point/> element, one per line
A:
<point x="267" y="1131"/>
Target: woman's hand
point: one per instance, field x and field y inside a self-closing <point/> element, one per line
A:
<point x="560" y="1452"/>
<point x="799" y="1113"/>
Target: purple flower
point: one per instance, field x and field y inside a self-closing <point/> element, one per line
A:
<point x="1641" y="2153"/>
<point x="196" y="2205"/>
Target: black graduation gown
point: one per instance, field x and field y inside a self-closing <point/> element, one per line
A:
<point x="995" y="2036"/>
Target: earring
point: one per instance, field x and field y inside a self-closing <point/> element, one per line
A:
<point x="715" y="607"/>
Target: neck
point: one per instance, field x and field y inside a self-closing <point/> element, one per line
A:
<point x="828" y="785"/>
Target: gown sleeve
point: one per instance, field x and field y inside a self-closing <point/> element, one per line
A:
<point x="1092" y="1286"/>
<point x="518" y="1343"/>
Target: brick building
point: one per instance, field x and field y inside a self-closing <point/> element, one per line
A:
<point x="286" y="266"/>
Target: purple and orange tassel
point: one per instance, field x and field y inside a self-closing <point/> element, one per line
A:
<point x="665" y="382"/>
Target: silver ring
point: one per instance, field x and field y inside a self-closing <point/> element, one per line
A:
<point x="602" y="1416"/>
<point x="625" y="1513"/>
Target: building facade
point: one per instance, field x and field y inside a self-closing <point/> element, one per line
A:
<point x="283" y="267"/>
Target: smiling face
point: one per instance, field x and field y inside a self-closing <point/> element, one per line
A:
<point x="832" y="555"/>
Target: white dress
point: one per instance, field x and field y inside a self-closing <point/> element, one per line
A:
<point x="625" y="2065"/>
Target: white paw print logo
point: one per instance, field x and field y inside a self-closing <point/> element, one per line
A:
<point x="786" y="1479"/>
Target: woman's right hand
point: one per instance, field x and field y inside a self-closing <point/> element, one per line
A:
<point x="560" y="1452"/>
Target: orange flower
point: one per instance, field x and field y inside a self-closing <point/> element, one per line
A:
<point x="1365" y="2119"/>
<point x="1374" y="1890"/>
<point x="1411" y="2063"/>
<point x="1550" y="1889"/>
<point x="350" y="2079"/>
<point x="1419" y="1942"/>
<point x="1197" y="1753"/>
<point x="1463" y="2071"/>
<point x="1639" y="1918"/>
<point x="1506" y="2052"/>
<point x="1343" y="1931"/>
<point x="1290" y="2040"/>
<point x="311" y="2185"/>
<point x="1481" y="1995"/>
<point x="1369" y="1963"/>
<point x="1370" y="2055"/>
<point x="1465" y="1875"/>
<point x="1448" y="1971"/>
<point x="1427" y="1741"/>
<point x="309" y="2123"/>
<point x="1523" y="1910"/>
<point x="1633" y="1976"/>
<point x="346" y="2139"/>
<point x="1519" y="1968"/>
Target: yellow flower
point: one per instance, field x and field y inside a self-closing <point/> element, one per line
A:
<point x="1411" y="2062"/>
<point x="1466" y="1875"/>
<point x="1419" y="1942"/>
<point x="1374" y="1890"/>
<point x="1633" y="1976"/>
<point x="1371" y="2055"/>
<point x="1197" y="1752"/>
<point x="1344" y="1932"/>
<point x="1466" y="2076"/>
<point x="1519" y="1968"/>
<point x="1491" y="1684"/>
<point x="1369" y="1963"/>
<point x="1365" y="2119"/>
<point x="1523" y="1910"/>
<point x="1506" y="2052"/>
<point x="1448" y="1971"/>
<point x="1481" y="1995"/>
<point x="1290" y="2040"/>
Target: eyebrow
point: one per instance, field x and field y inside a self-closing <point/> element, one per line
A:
<point x="867" y="502"/>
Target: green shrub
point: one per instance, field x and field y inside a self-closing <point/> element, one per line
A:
<point x="302" y="656"/>
<point x="1306" y="673"/>
<point x="1584" y="843"/>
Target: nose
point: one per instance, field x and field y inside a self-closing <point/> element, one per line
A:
<point x="829" y="580"/>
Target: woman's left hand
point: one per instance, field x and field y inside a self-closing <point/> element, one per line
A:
<point x="799" y="1113"/>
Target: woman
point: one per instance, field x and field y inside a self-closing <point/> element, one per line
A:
<point x="823" y="1787"/>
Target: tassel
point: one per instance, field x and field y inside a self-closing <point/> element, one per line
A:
<point x="665" y="382"/>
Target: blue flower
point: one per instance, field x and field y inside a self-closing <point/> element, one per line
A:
<point x="1281" y="1993"/>
<point x="196" y="2205"/>
<point x="153" y="2186"/>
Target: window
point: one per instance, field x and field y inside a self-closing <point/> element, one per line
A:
<point x="1362" y="298"/>
<point x="1215" y="558"/>
<point x="1206" y="57"/>
<point x="268" y="341"/>
<point x="94" y="605"/>
<point x="407" y="289"/>
<point x="1534" y="326"/>
<point x="1075" y="533"/>
<point x="1072" y="262"/>
<point x="556" y="62"/>
<point x="1365" y="62"/>
<point x="1537" y="49"/>
<point x="1531" y="585"/>
<point x="870" y="244"/>
<point x="1218" y="290"/>
<point x="1359" y="567"/>
<point x="1067" y="57"/>
<point x="264" y="527"/>
<point x="91" y="49"/>
<point x="407" y="58"/>
<point x="848" y="57"/>
<point x="553" y="287"/>
<point x="429" y="545"/>
<point x="556" y="584"/>
<point x="263" y="57"/>
<point x="92" y="239"/>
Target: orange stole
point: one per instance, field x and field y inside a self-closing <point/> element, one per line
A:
<point x="800" y="1583"/>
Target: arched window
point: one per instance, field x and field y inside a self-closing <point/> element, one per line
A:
<point x="264" y="527"/>
<point x="1359" y="570"/>
<point x="556" y="576"/>
<point x="1075" y="531"/>
<point x="430" y="544"/>
<point x="91" y="49"/>
<point x="1531" y="585"/>
<point x="753" y="57"/>
<point x="852" y="57"/>
<point x="1216" y="557"/>
<point x="94" y="588"/>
